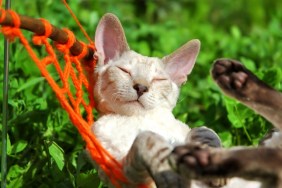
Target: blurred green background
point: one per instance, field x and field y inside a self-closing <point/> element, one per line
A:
<point x="44" y="148"/>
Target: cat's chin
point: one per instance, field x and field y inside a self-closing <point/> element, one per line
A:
<point x="129" y="108"/>
<point x="135" y="103"/>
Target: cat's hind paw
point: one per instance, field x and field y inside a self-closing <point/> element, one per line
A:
<point x="193" y="161"/>
<point x="189" y="159"/>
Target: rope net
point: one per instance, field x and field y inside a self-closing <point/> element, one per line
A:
<point x="73" y="90"/>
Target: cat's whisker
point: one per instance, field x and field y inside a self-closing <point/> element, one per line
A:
<point x="180" y="100"/>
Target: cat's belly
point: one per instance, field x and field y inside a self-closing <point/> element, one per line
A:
<point x="117" y="133"/>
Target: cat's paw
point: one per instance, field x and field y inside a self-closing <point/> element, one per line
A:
<point x="189" y="159"/>
<point x="203" y="135"/>
<point x="230" y="75"/>
<point x="193" y="161"/>
<point x="235" y="80"/>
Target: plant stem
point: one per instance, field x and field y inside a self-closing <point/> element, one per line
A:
<point x="5" y="108"/>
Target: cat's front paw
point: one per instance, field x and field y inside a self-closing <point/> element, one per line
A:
<point x="193" y="161"/>
<point x="231" y="76"/>
<point x="237" y="81"/>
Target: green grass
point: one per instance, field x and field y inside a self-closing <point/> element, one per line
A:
<point x="45" y="149"/>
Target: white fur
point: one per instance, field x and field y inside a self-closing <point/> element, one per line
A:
<point x="232" y="183"/>
<point x="241" y="183"/>
<point x="274" y="141"/>
<point x="116" y="133"/>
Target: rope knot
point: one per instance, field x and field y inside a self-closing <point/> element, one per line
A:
<point x="41" y="39"/>
<point x="11" y="32"/>
<point x="65" y="48"/>
<point x="82" y="54"/>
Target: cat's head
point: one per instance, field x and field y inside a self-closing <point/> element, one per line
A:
<point x="128" y="83"/>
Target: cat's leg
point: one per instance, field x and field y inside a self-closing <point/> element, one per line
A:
<point x="148" y="159"/>
<point x="206" y="136"/>
<point x="199" y="162"/>
<point x="203" y="135"/>
<point x="238" y="82"/>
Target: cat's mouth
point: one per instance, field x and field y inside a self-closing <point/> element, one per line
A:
<point x="136" y="102"/>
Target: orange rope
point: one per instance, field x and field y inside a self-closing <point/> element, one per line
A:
<point x="77" y="22"/>
<point x="70" y="73"/>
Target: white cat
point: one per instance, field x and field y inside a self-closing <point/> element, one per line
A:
<point x="135" y="96"/>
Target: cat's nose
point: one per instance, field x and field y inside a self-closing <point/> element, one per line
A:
<point x="140" y="89"/>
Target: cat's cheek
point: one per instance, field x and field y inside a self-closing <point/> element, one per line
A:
<point x="167" y="95"/>
<point x="147" y="101"/>
<point x="173" y="95"/>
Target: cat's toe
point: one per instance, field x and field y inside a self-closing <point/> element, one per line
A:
<point x="239" y="80"/>
<point x="220" y="67"/>
<point x="188" y="159"/>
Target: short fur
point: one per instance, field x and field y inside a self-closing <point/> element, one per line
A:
<point x="135" y="96"/>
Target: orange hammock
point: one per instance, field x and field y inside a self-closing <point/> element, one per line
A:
<point x="71" y="76"/>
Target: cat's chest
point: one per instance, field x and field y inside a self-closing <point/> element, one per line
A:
<point x="117" y="133"/>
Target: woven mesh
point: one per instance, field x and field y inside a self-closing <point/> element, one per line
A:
<point x="73" y="90"/>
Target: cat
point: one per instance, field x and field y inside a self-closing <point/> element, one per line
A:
<point x="135" y="96"/>
<point x="262" y="164"/>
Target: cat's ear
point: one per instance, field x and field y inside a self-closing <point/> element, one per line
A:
<point x="180" y="63"/>
<point x="110" y="39"/>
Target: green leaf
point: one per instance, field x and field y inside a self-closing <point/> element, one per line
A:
<point x="15" y="175"/>
<point x="233" y="115"/>
<point x="57" y="154"/>
<point x="235" y="32"/>
<point x="88" y="180"/>
<point x="9" y="145"/>
<point x="31" y="82"/>
<point x="226" y="138"/>
<point x="250" y="64"/>
<point x="17" y="147"/>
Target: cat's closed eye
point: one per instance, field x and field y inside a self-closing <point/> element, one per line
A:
<point x="124" y="70"/>
<point x="158" y="79"/>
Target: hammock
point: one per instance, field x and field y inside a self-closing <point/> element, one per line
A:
<point x="78" y="62"/>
